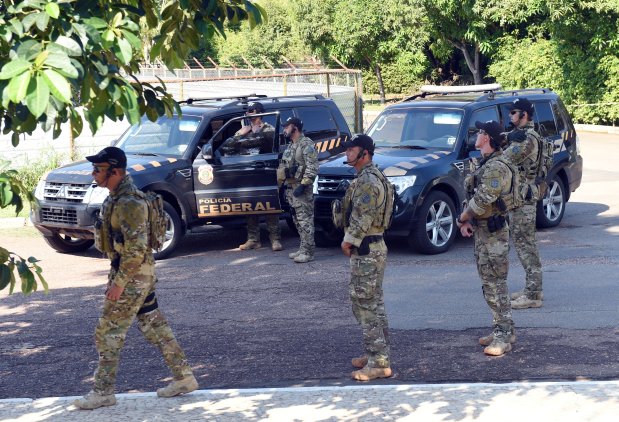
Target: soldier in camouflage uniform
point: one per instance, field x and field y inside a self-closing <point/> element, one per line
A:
<point x="523" y="150"/>
<point x="122" y="235"/>
<point x="297" y="170"/>
<point x="257" y="137"/>
<point x="363" y="208"/>
<point x="484" y="215"/>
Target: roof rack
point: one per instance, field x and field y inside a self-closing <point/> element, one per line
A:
<point x="315" y="96"/>
<point x="515" y="93"/>
<point x="461" y="89"/>
<point x="242" y="98"/>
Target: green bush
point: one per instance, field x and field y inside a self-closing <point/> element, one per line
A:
<point x="31" y="173"/>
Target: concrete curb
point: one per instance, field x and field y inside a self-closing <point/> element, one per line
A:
<point x="597" y="128"/>
<point x="584" y="401"/>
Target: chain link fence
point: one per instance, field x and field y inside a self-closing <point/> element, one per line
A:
<point x="343" y="86"/>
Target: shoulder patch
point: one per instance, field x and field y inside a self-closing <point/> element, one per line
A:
<point x="366" y="198"/>
<point x="516" y="149"/>
<point x="494" y="183"/>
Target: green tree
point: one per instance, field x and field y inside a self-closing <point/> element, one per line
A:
<point x="57" y="55"/>
<point x="272" y="41"/>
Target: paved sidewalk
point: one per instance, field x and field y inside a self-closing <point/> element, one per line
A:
<point x="526" y="402"/>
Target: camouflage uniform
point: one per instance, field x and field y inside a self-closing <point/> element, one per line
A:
<point x="303" y="155"/>
<point x="256" y="142"/>
<point x="492" y="178"/>
<point x="365" y="203"/>
<point x="133" y="267"/>
<point x="522" y="219"/>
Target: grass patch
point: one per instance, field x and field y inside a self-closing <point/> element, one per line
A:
<point x="9" y="212"/>
<point x="26" y="231"/>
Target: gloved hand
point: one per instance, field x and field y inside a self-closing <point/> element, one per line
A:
<point x="299" y="190"/>
<point x="516" y="136"/>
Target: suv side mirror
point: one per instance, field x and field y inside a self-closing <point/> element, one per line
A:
<point x="207" y="151"/>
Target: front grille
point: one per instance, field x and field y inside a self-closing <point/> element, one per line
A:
<point x="65" y="192"/>
<point x="58" y="215"/>
<point x="332" y="184"/>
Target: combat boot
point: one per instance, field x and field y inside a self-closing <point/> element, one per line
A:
<point x="498" y="347"/>
<point x="293" y="255"/>
<point x="250" y="244"/>
<point x="175" y="388"/>
<point x="276" y="245"/>
<point x="486" y="341"/>
<point x="524" y="302"/>
<point x="359" y="362"/>
<point x="94" y="400"/>
<point x="516" y="295"/>
<point x="303" y="258"/>
<point x="367" y="373"/>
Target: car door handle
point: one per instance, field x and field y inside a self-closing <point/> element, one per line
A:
<point x="260" y="164"/>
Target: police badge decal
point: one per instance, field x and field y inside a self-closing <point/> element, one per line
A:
<point x="205" y="174"/>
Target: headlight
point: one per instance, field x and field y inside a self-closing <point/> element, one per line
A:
<point x="95" y="195"/>
<point x="39" y="191"/>
<point x="402" y="182"/>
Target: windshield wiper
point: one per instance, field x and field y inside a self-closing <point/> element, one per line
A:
<point x="144" y="154"/>
<point x="409" y="146"/>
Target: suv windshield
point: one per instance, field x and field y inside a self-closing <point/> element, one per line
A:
<point x="417" y="128"/>
<point x="167" y="136"/>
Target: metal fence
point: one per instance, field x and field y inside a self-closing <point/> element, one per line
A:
<point x="343" y="86"/>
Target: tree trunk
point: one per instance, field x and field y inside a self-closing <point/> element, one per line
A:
<point x="471" y="62"/>
<point x="381" y="86"/>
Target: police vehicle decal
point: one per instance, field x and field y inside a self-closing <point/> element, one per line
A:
<point x="205" y="174"/>
<point x="231" y="206"/>
<point x="152" y="164"/>
<point x="401" y="168"/>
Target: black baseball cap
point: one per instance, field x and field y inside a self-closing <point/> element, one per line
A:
<point x="114" y="156"/>
<point x="361" y="140"/>
<point x="522" y="104"/>
<point x="492" y="128"/>
<point x="294" y="121"/>
<point x="255" y="107"/>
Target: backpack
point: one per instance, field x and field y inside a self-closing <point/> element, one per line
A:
<point x="512" y="199"/>
<point x="391" y="199"/>
<point x="545" y="158"/>
<point x="156" y="217"/>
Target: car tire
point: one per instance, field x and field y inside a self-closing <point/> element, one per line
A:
<point x="67" y="244"/>
<point x="551" y="207"/>
<point x="328" y="237"/>
<point x="435" y="230"/>
<point x="174" y="232"/>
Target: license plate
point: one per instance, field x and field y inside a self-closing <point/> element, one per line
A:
<point x="56" y="210"/>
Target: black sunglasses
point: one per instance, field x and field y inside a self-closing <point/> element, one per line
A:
<point x="99" y="169"/>
<point x="514" y="112"/>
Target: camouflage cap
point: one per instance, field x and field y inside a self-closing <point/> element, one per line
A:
<point x="114" y="156"/>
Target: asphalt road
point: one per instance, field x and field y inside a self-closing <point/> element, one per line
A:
<point x="252" y="319"/>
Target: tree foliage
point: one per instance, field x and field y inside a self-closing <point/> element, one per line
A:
<point x="57" y="55"/>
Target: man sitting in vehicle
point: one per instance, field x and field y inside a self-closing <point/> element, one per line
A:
<point x="254" y="138"/>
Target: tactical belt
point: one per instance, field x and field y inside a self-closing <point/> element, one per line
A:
<point x="374" y="238"/>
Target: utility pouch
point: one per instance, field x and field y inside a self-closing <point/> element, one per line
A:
<point x="495" y="223"/>
<point x="336" y="214"/>
<point x="115" y="264"/>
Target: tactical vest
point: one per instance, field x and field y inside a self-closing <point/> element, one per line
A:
<point x="341" y="212"/>
<point x="507" y="200"/>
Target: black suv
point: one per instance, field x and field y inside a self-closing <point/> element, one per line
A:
<point x="423" y="145"/>
<point x="180" y="158"/>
